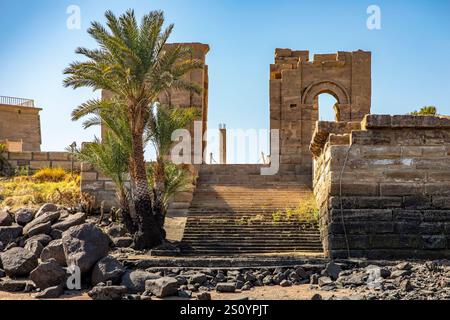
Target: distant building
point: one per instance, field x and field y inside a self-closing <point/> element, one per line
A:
<point x="20" y="127"/>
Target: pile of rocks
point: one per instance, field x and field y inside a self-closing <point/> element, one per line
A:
<point x="38" y="249"/>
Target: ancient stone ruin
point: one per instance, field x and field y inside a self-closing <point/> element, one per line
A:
<point x="381" y="182"/>
<point x="20" y="128"/>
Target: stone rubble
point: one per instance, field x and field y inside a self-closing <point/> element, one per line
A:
<point x="38" y="264"/>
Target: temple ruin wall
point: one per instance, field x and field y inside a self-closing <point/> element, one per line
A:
<point x="392" y="198"/>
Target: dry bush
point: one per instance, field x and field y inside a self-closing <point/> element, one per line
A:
<point x="50" y="175"/>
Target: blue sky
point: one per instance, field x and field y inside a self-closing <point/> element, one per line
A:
<point x="410" y="54"/>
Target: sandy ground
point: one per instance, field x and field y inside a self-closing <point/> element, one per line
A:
<point x="300" y="292"/>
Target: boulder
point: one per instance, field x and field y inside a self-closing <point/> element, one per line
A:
<point x="51" y="217"/>
<point x="5" y="218"/>
<point x="56" y="234"/>
<point x="324" y="281"/>
<point x="122" y="242"/>
<point x="84" y="245"/>
<point x="42" y="228"/>
<point x="35" y="247"/>
<point x="135" y="280"/>
<point x="116" y="230"/>
<point x="51" y="292"/>
<point x="73" y="220"/>
<point x="18" y="262"/>
<point x="286" y="283"/>
<point x="48" y="274"/>
<point x="107" y="292"/>
<point x="226" y="287"/>
<point x="10" y="234"/>
<point x="107" y="269"/>
<point x="44" y="239"/>
<point x="47" y="207"/>
<point x="332" y="270"/>
<point x="24" y="216"/>
<point x="162" y="287"/>
<point x="199" y="278"/>
<point x="54" y="250"/>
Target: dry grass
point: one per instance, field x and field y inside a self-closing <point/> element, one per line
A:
<point x="307" y="210"/>
<point x="50" y="175"/>
<point x="48" y="186"/>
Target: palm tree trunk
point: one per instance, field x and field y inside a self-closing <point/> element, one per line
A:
<point x="148" y="233"/>
<point x="126" y="219"/>
<point x="158" y="190"/>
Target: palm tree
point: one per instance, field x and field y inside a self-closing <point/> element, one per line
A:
<point x="134" y="64"/>
<point x="163" y="121"/>
<point x="111" y="156"/>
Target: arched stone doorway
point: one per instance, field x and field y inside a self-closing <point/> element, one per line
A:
<point x="295" y="84"/>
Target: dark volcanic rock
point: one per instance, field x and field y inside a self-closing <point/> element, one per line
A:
<point x="10" y="234"/>
<point x="54" y="250"/>
<point x="107" y="292"/>
<point x="162" y="287"/>
<point x="48" y="274"/>
<point x="107" y="269"/>
<point x="10" y="285"/>
<point x="5" y="218"/>
<point x="72" y="220"/>
<point x="35" y="247"/>
<point x="24" y="216"/>
<point x="47" y="207"/>
<point x="84" y="245"/>
<point x="42" y="219"/>
<point x="226" y="287"/>
<point x="51" y="292"/>
<point x="135" y="280"/>
<point x="44" y="239"/>
<point x="18" y="262"/>
<point x="42" y="228"/>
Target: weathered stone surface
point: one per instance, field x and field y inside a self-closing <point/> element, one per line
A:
<point x="10" y="234"/>
<point x="5" y="218"/>
<point x="44" y="239"/>
<point x="205" y="296"/>
<point x="324" y="281"/>
<point x="24" y="216"/>
<point x="43" y="218"/>
<point x="48" y="274"/>
<point x="122" y="242"/>
<point x="72" y="220"/>
<point x="116" y="230"/>
<point x="84" y="245"/>
<point x="47" y="207"/>
<point x="11" y="285"/>
<point x="50" y="293"/>
<point x="135" y="280"/>
<point x="199" y="278"/>
<point x="226" y="287"/>
<point x="107" y="269"/>
<point x="18" y="262"/>
<point x="162" y="287"/>
<point x="332" y="270"/>
<point x="107" y="292"/>
<point x="54" y="250"/>
<point x="35" y="247"/>
<point x="42" y="228"/>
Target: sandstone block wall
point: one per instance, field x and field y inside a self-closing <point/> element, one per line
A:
<point x="392" y="199"/>
<point x="19" y="123"/>
<point x="39" y="160"/>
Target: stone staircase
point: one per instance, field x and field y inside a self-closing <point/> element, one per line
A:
<point x="232" y="213"/>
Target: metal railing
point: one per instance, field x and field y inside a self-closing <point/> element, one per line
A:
<point x="12" y="101"/>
